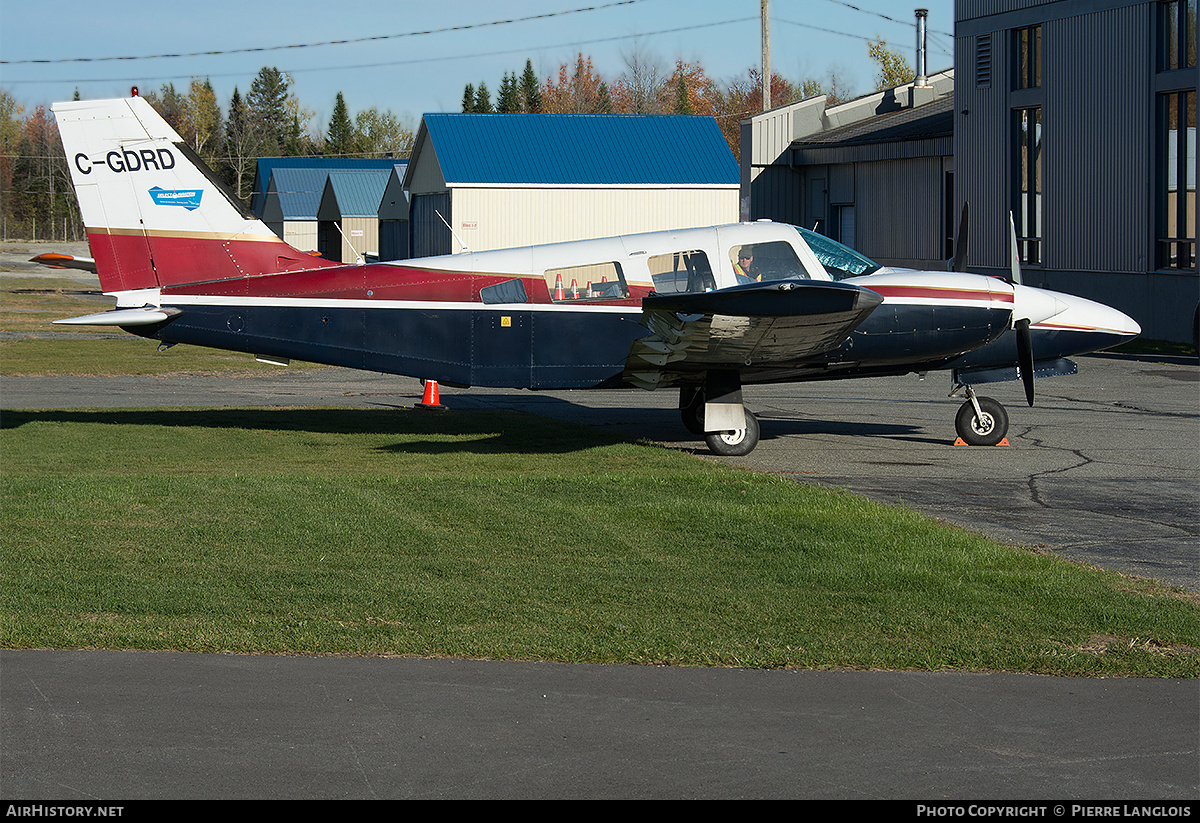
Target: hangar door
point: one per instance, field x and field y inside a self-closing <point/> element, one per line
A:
<point x="430" y="236"/>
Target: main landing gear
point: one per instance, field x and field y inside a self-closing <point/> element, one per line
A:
<point x="981" y="421"/>
<point x="715" y="411"/>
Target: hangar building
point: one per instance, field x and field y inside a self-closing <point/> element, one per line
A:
<point x="348" y="215"/>
<point x="505" y="180"/>
<point x="874" y="173"/>
<point x="1077" y="117"/>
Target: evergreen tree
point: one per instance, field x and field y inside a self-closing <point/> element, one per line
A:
<point x="267" y="104"/>
<point x="340" y="139"/>
<point x="509" y="100"/>
<point x="603" y="100"/>
<point x="468" y="104"/>
<point x="530" y="90"/>
<point x="483" y="99"/>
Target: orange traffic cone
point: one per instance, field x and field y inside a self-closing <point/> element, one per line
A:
<point x="430" y="399"/>
<point x="558" y="289"/>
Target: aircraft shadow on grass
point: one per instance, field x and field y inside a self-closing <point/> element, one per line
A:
<point x="661" y="425"/>
<point x="472" y="431"/>
<point x="549" y="426"/>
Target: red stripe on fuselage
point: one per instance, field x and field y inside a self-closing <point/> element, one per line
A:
<point x="132" y="260"/>
<point x="941" y="293"/>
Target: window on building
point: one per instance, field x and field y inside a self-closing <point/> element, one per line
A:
<point x="1177" y="180"/>
<point x="1027" y="57"/>
<point x="1027" y="183"/>
<point x="1176" y="35"/>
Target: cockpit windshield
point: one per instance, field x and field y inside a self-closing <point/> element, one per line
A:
<point x="840" y="261"/>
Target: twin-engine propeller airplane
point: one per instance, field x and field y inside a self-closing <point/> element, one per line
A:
<point x="702" y="311"/>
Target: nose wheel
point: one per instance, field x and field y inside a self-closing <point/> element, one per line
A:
<point x="981" y="421"/>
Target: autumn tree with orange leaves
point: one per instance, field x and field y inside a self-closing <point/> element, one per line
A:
<point x="578" y="91"/>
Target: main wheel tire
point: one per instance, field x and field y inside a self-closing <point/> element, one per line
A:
<point x="735" y="443"/>
<point x="987" y="430"/>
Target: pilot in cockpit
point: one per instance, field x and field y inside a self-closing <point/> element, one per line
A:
<point x="744" y="267"/>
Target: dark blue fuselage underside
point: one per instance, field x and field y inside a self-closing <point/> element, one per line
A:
<point x="502" y="347"/>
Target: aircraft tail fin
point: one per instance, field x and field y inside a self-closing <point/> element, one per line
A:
<point x="155" y="214"/>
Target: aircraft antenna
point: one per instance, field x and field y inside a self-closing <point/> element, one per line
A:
<point x="465" y="247"/>
<point x="358" y="258"/>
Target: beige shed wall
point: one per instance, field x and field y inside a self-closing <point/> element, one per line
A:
<point x="499" y="218"/>
<point x="367" y="243"/>
<point x="301" y="234"/>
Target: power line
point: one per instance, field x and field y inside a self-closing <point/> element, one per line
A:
<point x="374" y="38"/>
<point x="358" y="66"/>
<point x="841" y="33"/>
<point x="884" y="16"/>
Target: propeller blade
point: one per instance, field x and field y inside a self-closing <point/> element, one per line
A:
<point x="1025" y="356"/>
<point x="1014" y="260"/>
<point x="960" y="242"/>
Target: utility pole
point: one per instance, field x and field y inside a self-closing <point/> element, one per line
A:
<point x="766" y="56"/>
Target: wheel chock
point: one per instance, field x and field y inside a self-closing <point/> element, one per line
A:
<point x="958" y="441"/>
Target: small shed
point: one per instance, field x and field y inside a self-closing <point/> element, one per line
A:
<point x="506" y="180"/>
<point x="290" y="206"/>
<point x="266" y="166"/>
<point x="393" y="217"/>
<point x="348" y="215"/>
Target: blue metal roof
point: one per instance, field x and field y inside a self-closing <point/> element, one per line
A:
<point x="358" y="193"/>
<point x="267" y="165"/>
<point x="299" y="191"/>
<point x="581" y="149"/>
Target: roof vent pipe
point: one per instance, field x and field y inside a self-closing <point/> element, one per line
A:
<point x="922" y="81"/>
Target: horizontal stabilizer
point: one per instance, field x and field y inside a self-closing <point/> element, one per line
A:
<point x="65" y="261"/>
<point x="144" y="316"/>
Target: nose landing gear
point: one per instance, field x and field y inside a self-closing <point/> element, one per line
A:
<point x="981" y="421"/>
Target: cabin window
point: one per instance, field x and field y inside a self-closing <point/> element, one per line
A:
<point x="681" y="272"/>
<point x="841" y="262"/>
<point x="758" y="262"/>
<point x="510" y="291"/>
<point x="596" y="281"/>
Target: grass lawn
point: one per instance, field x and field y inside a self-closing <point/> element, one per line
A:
<point x="485" y="535"/>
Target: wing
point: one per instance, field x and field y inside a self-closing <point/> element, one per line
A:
<point x="761" y="325"/>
